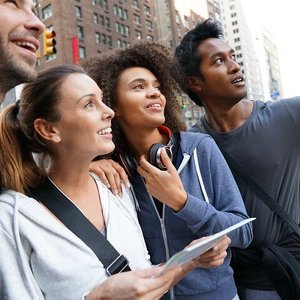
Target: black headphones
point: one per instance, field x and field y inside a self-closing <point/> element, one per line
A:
<point x="130" y="164"/>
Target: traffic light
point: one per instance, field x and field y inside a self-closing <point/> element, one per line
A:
<point x="49" y="42"/>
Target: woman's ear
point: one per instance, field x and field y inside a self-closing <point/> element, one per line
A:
<point x="46" y="130"/>
<point x="194" y="84"/>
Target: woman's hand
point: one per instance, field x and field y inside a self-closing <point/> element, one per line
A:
<point x="213" y="257"/>
<point x="166" y="186"/>
<point x="210" y="259"/>
<point x="111" y="174"/>
<point x="138" y="285"/>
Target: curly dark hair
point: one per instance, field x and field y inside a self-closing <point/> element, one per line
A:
<point x="106" y="69"/>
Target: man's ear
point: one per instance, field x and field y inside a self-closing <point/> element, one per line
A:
<point x="46" y="130"/>
<point x="194" y="83"/>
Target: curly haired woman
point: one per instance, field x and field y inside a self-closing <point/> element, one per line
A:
<point x="188" y="195"/>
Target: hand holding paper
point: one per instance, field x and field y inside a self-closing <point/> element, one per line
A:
<point x="195" y="250"/>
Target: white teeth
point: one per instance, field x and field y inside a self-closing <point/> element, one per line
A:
<point x="104" y="131"/>
<point x="237" y="80"/>
<point x="155" y="105"/>
<point x="26" y="44"/>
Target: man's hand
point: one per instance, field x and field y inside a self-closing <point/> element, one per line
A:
<point x="138" y="285"/>
<point x="111" y="174"/>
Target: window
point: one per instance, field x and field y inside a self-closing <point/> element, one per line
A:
<point x="82" y="52"/>
<point x="235" y="30"/>
<point x="107" y="22"/>
<point x="104" y="4"/>
<point x="103" y="38"/>
<point x="234" y="23"/>
<point x="149" y="25"/>
<point x="80" y="32"/>
<point x="47" y="12"/>
<point x="147" y="11"/>
<point x="109" y="40"/>
<point x="138" y="35"/>
<point x="186" y="22"/>
<point x="137" y="19"/>
<point x="97" y="37"/>
<point x="135" y="4"/>
<point x="117" y="27"/>
<point x="236" y="40"/>
<point x="78" y="12"/>
<point x="96" y="18"/>
<point x="115" y="10"/>
<point x="238" y="48"/>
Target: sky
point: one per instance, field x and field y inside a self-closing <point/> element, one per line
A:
<point x="282" y="19"/>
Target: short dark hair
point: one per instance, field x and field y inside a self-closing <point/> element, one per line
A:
<point x="187" y="57"/>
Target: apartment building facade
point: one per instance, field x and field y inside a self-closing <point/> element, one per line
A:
<point x="85" y="28"/>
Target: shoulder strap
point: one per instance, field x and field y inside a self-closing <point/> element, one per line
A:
<point x="75" y="220"/>
<point x="260" y="191"/>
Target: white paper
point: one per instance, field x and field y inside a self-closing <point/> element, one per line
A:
<point x="191" y="252"/>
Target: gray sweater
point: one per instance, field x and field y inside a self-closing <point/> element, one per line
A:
<point x="41" y="259"/>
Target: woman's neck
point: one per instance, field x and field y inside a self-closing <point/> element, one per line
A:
<point x="70" y="175"/>
<point x="73" y="179"/>
<point x="141" y="141"/>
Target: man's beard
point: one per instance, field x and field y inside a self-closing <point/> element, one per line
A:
<point x="12" y="71"/>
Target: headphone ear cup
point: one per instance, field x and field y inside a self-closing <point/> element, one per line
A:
<point x="128" y="163"/>
<point x="153" y="156"/>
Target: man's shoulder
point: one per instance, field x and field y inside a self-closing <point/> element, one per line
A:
<point x="199" y="127"/>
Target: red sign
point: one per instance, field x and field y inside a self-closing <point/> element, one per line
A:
<point x="75" y="49"/>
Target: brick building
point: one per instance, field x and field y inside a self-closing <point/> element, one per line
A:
<point x="85" y="28"/>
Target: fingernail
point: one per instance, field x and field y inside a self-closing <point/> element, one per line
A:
<point x="127" y="184"/>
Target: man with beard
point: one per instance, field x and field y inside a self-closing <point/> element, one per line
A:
<point x="19" y="32"/>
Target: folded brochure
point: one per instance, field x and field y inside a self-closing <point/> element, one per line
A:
<point x="191" y="252"/>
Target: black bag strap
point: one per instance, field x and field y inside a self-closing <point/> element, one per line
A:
<point x="260" y="191"/>
<point x="74" y="219"/>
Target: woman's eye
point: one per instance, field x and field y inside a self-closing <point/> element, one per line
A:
<point x="138" y="87"/>
<point x="89" y="104"/>
<point x="233" y="57"/>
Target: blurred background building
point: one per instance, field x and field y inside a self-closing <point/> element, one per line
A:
<point x="86" y="28"/>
